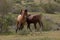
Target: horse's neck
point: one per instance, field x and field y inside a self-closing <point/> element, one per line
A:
<point x="23" y="15"/>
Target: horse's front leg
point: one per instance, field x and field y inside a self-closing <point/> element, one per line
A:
<point x="28" y="26"/>
<point x="17" y="26"/>
<point x="17" y="29"/>
<point x="35" y="26"/>
<point x="21" y="27"/>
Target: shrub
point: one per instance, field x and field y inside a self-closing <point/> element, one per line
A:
<point x="49" y="8"/>
<point x="7" y="21"/>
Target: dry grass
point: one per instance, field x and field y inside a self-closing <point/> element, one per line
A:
<point x="54" y="17"/>
<point x="33" y="36"/>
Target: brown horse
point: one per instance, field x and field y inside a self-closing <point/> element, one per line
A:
<point x="36" y="18"/>
<point x="21" y="20"/>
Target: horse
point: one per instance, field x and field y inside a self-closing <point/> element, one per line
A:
<point x="36" y="18"/>
<point x="21" y="20"/>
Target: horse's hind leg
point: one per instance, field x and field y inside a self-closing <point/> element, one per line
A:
<point x="28" y="26"/>
<point x="41" y="24"/>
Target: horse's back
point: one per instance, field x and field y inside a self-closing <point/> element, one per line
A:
<point x="34" y="16"/>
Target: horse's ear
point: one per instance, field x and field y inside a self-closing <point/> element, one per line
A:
<point x="20" y="11"/>
<point x="25" y="10"/>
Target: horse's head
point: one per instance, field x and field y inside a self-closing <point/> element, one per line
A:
<point x="25" y="12"/>
<point x="22" y="12"/>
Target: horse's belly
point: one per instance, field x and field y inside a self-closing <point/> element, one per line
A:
<point x="32" y="21"/>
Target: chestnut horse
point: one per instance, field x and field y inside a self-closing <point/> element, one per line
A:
<point x="21" y="20"/>
<point x="36" y="18"/>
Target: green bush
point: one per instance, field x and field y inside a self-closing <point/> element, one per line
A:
<point x="33" y="7"/>
<point x="7" y="21"/>
<point x="49" y="8"/>
<point x="58" y="1"/>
